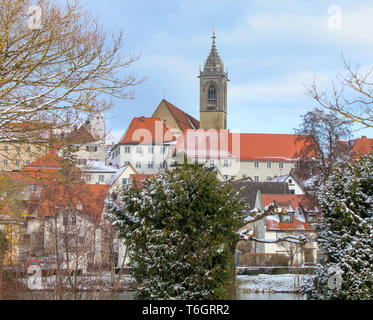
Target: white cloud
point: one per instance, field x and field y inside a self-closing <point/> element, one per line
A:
<point x="356" y="31"/>
<point x="278" y="89"/>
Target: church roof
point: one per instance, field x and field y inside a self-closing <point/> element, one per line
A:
<point x="183" y="120"/>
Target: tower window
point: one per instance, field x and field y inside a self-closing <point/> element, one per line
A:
<point x="212" y="93"/>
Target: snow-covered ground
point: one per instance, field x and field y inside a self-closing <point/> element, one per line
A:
<point x="270" y="283"/>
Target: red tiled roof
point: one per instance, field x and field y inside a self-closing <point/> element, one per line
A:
<point x="245" y="146"/>
<point x="49" y="161"/>
<point x="362" y="146"/>
<point x="268" y="147"/>
<point x="139" y="178"/>
<point x="184" y="120"/>
<point x="292" y="203"/>
<point x="147" y="131"/>
<point x="91" y="196"/>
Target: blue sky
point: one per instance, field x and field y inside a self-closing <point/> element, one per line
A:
<point x="270" y="47"/>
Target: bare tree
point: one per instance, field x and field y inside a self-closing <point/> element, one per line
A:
<point x="320" y="134"/>
<point x="350" y="96"/>
<point x="53" y="73"/>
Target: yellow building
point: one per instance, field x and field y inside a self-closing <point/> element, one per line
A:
<point x="12" y="228"/>
<point x="15" y="155"/>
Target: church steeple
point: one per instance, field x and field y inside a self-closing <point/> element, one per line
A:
<point x="213" y="91"/>
<point x="213" y="62"/>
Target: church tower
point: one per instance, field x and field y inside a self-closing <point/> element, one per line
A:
<point x="213" y="92"/>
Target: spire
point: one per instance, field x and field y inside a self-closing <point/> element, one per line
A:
<point x="213" y="62"/>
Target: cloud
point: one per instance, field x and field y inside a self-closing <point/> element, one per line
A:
<point x="276" y="89"/>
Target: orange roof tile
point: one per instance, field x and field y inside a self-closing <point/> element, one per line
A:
<point x="184" y="120"/>
<point x="268" y="147"/>
<point x="292" y="203"/>
<point x="147" y="131"/>
<point x="58" y="196"/>
<point x="139" y="178"/>
<point x="49" y="161"/>
<point x="362" y="146"/>
<point x="245" y="146"/>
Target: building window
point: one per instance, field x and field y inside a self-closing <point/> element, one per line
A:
<point x="281" y="165"/>
<point x="286" y="218"/>
<point x="17" y="163"/>
<point x="244" y="176"/>
<point x="28" y="149"/>
<point x="212" y="162"/>
<point x="101" y="178"/>
<point x="126" y="163"/>
<point x="290" y="181"/>
<point x="139" y="150"/>
<point x="28" y="162"/>
<point x="73" y="220"/>
<point x="18" y="149"/>
<point x="151" y="149"/>
<point x="127" y="149"/>
<point x="226" y="177"/>
<point x="269" y="165"/>
<point x="32" y="187"/>
<point x="91" y="148"/>
<point x="163" y="165"/>
<point x="6" y="148"/>
<point x="256" y="164"/>
<point x="256" y="179"/>
<point x="88" y="177"/>
<point x="269" y="178"/>
<point x="83" y="162"/>
<point x="226" y="163"/>
<point x="65" y="221"/>
<point x="5" y="163"/>
<point x="138" y="165"/>
<point x="212" y="93"/>
<point x="292" y="191"/>
<point x="150" y="165"/>
<point x="163" y="150"/>
<point x="79" y="206"/>
<point x="126" y="181"/>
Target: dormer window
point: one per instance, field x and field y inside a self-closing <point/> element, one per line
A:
<point x="212" y="94"/>
<point x="287" y="218"/>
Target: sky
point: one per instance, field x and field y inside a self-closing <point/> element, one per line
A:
<point x="273" y="50"/>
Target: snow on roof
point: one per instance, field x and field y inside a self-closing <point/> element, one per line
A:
<point x="117" y="174"/>
<point x="98" y="166"/>
<point x="278" y="179"/>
